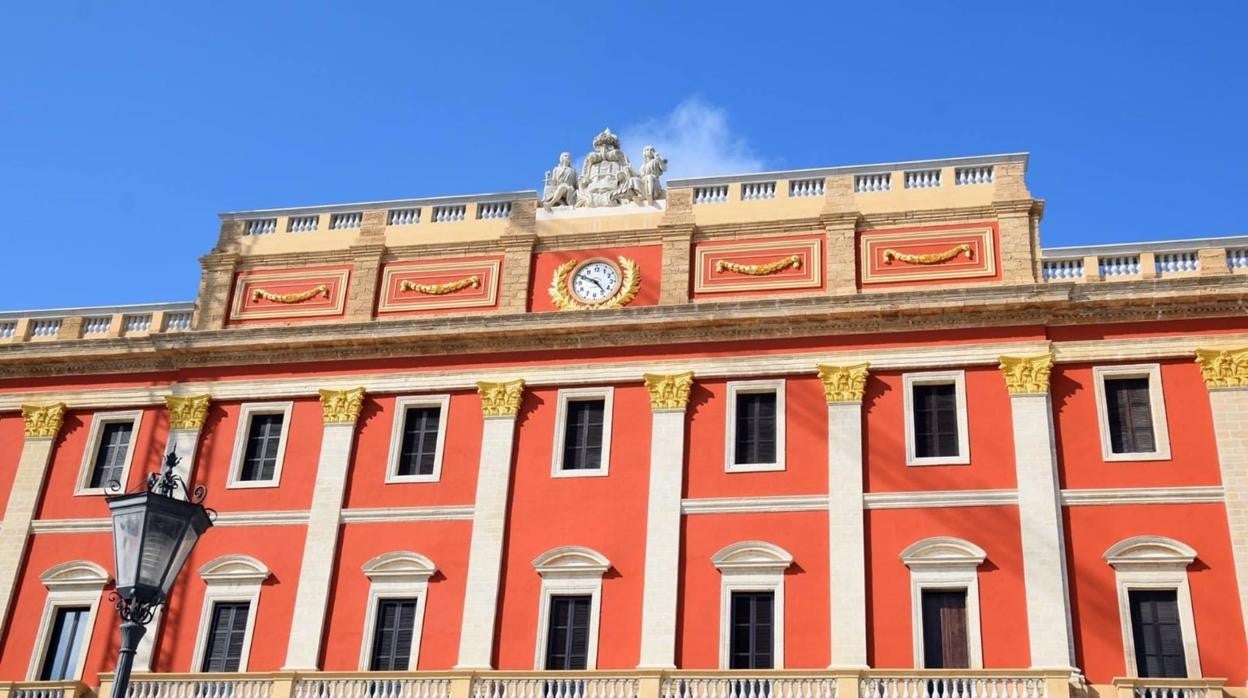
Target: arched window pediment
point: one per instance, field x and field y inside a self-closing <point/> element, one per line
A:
<point x="400" y="564"/>
<point x="234" y="569"/>
<point x="1150" y="551"/>
<point x="570" y="560"/>
<point x="943" y="551"/>
<point x="752" y="555"/>
<point x="76" y="574"/>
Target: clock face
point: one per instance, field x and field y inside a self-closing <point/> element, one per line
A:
<point x="595" y="281"/>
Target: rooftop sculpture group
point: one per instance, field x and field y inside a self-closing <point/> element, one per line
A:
<point x="606" y="177"/>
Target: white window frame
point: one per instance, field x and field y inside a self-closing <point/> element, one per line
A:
<point x="98" y="421"/>
<point x="736" y="388"/>
<point x="1156" y="403"/>
<point x="230" y="579"/>
<point x="401" y="574"/>
<point x="76" y="583"/>
<point x="246" y="411"/>
<point x="945" y="563"/>
<point x="751" y="565"/>
<point x="567" y="571"/>
<point x="401" y="405"/>
<point x="1157" y="563"/>
<point x="566" y="395"/>
<point x="954" y="378"/>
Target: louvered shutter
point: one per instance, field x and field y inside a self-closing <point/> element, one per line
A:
<point x="1130" y="415"/>
<point x="392" y="638"/>
<point x="110" y="456"/>
<point x="567" y="633"/>
<point x="752" y="628"/>
<point x="756" y="428"/>
<point x="944" y="629"/>
<point x="420" y="440"/>
<point x="935" y="421"/>
<point x="1157" y="634"/>
<point x="582" y="434"/>
<point x="225" y="637"/>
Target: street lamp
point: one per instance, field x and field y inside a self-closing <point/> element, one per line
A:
<point x="153" y="535"/>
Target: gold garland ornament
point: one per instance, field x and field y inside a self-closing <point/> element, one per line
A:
<point x="930" y="258"/>
<point x="260" y="293"/>
<point x="779" y="265"/>
<point x="630" y="282"/>
<point x="441" y="289"/>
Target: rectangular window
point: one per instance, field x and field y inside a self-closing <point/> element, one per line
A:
<point x="264" y="435"/>
<point x="392" y="638"/>
<point x="69" y="629"/>
<point x="945" y="644"/>
<point x="110" y="455"/>
<point x="582" y="434"/>
<point x="567" y="639"/>
<point x="751" y="642"/>
<point x="1156" y="632"/>
<point x="1130" y="415"/>
<point x="755" y="429"/>
<point x="224" y="649"/>
<point x="419" y="449"/>
<point x="935" y="420"/>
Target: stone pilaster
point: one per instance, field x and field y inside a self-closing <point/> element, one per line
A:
<point x="216" y="282"/>
<point x="677" y="229"/>
<point x="669" y="396"/>
<point x="1226" y="377"/>
<point x="43" y="423"/>
<point x="367" y="252"/>
<point x="341" y="409"/>
<point x="1213" y="261"/>
<point x="1018" y="219"/>
<point x="518" y="241"/>
<point x="840" y="247"/>
<point x="500" y="403"/>
<point x="843" y="387"/>
<point x="1039" y="511"/>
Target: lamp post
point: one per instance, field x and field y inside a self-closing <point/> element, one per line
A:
<point x="154" y="532"/>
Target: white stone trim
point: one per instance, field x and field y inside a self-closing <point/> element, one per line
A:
<point x="942" y="562"/>
<point x="751" y="565"/>
<point x="736" y="388"/>
<point x="939" y="499"/>
<point x="401" y="405"/>
<point x="76" y="583"/>
<point x="98" y="421"/>
<point x="958" y="380"/>
<point x="397" y="575"/>
<point x="1202" y="494"/>
<point x="566" y="571"/>
<point x="566" y="395"/>
<point x="461" y="512"/>
<point x="1155" y="562"/>
<point x="229" y="578"/>
<point x="1156" y="402"/>
<point x="245" y="413"/>
<point x="755" y="505"/>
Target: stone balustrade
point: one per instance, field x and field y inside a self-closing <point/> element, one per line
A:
<point x="45" y="689"/>
<point x="778" y="683"/>
<point x="95" y="323"/>
<point x="348" y="219"/>
<point x="1150" y="260"/>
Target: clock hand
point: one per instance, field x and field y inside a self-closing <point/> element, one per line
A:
<point x="587" y="276"/>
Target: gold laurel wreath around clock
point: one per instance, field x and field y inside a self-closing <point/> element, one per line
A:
<point x="561" y="296"/>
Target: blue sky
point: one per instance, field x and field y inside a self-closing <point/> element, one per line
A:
<point x="125" y="126"/>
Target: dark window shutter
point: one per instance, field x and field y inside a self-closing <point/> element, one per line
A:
<point x="582" y="434"/>
<point x="263" y="436"/>
<point x="935" y="420"/>
<point x="756" y="428"/>
<point x="420" y="440"/>
<point x="1130" y="415"/>
<point x="944" y="629"/>
<point x="1157" y="634"/>
<point x="224" y="651"/>
<point x="567" y="633"/>
<point x="60" y="659"/>
<point x="392" y="639"/>
<point x="110" y="456"/>
<point x="751" y="630"/>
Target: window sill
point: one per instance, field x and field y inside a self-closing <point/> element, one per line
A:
<point x="582" y="472"/>
<point x="754" y="468"/>
<point x="938" y="460"/>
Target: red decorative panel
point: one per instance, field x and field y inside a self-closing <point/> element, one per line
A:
<point x="751" y="266"/>
<point x="282" y="294"/>
<point x="965" y="251"/>
<point x="431" y="284"/>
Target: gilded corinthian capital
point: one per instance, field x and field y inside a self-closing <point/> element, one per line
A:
<point x="500" y="399"/>
<point x="43" y="421"/>
<point x="341" y="406"/>
<point x="843" y="383"/>
<point x="187" y="412"/>
<point x="1027" y="375"/>
<point x="669" y="391"/>
<point x="1224" y="368"/>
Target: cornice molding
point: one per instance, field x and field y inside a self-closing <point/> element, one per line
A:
<point x="1204" y="494"/>
<point x="939" y="499"/>
<point x="278" y="518"/>
<point x="461" y="512"/>
<point x="754" y="505"/>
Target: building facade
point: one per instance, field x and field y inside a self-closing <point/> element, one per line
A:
<point x="827" y="433"/>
